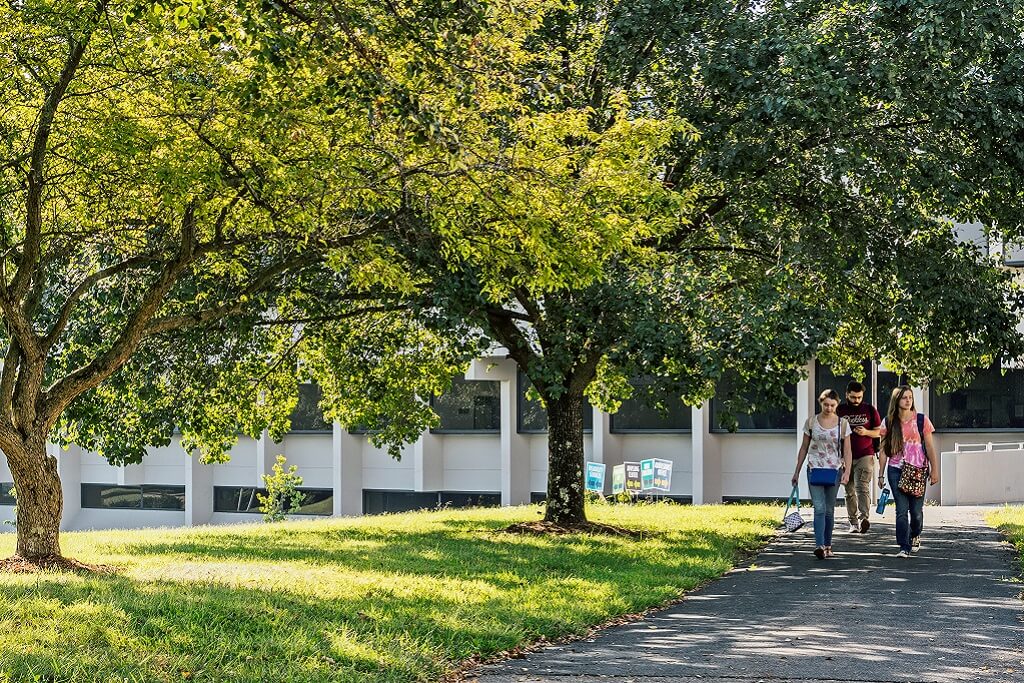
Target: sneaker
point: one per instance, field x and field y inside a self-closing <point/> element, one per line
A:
<point x="819" y="553"/>
<point x="864" y="526"/>
<point x="915" y="544"/>
<point x="854" y="529"/>
<point x="903" y="554"/>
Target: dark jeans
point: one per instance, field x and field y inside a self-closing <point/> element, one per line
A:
<point x="905" y="506"/>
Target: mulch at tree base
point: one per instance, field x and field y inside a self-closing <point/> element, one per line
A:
<point x="54" y="563"/>
<point x="542" y="528"/>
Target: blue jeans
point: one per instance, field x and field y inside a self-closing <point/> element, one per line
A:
<point x="905" y="529"/>
<point x="824" y="499"/>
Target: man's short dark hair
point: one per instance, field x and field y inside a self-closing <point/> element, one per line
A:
<point x="854" y="388"/>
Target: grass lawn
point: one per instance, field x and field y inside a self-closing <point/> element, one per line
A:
<point x="388" y="598"/>
<point x="1010" y="520"/>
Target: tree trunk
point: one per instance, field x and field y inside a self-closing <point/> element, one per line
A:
<point x="40" y="502"/>
<point x="565" y="461"/>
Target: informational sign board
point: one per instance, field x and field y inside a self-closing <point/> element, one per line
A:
<point x="618" y="479"/>
<point x="633" y="482"/>
<point x="595" y="476"/>
<point x="662" y="475"/>
<point x="647" y="474"/>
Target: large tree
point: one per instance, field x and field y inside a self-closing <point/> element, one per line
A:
<point x="163" y="186"/>
<point x="692" y="190"/>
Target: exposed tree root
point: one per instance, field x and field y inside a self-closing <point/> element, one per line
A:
<point x="542" y="528"/>
<point x="54" y="563"/>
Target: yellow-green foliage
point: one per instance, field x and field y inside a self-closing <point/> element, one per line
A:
<point x="375" y="599"/>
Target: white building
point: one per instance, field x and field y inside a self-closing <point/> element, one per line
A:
<point x="492" y="449"/>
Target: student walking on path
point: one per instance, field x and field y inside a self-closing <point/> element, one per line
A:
<point x="864" y="421"/>
<point x="910" y="446"/>
<point x="826" y="448"/>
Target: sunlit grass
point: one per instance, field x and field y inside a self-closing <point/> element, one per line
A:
<point x="1010" y="520"/>
<point x="374" y="599"/>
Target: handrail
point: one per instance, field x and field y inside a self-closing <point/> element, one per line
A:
<point x="989" y="446"/>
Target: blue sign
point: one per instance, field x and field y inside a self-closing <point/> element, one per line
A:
<point x="595" y="476"/>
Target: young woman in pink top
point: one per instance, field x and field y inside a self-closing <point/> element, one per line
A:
<point x="900" y="446"/>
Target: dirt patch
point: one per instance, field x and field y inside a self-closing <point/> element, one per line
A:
<point x="55" y="563"/>
<point x="541" y="528"/>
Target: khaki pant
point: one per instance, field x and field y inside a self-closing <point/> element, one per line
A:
<point x="858" y="491"/>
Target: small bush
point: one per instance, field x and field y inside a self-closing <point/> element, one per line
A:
<point x="283" y="496"/>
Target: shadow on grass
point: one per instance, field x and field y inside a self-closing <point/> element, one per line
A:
<point x="423" y="602"/>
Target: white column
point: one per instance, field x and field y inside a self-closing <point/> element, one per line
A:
<point x="265" y="458"/>
<point x="806" y="406"/>
<point x="607" y="446"/>
<point x="515" y="458"/>
<point x="427" y="463"/>
<point x="69" y="468"/>
<point x="707" y="461"/>
<point x="198" y="491"/>
<point x="347" y="457"/>
<point x="131" y="475"/>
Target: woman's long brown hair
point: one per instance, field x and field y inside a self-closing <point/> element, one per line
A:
<point x="892" y="442"/>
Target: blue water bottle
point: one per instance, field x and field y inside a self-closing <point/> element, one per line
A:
<point x="883" y="500"/>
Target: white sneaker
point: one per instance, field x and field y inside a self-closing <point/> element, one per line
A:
<point x="854" y="529"/>
<point x="915" y="544"/>
<point x="903" y="553"/>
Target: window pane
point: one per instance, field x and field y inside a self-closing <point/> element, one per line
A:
<point x="991" y="401"/>
<point x="163" y="497"/>
<point x="636" y="415"/>
<point x="459" y="499"/>
<point x="768" y="419"/>
<point x="317" y="502"/>
<point x="376" y="502"/>
<point x="5" y="494"/>
<point x="532" y="417"/>
<point x="887" y="382"/>
<point x="111" y="496"/>
<point x="236" y="499"/>
<point x="825" y="379"/>
<point x="307" y="416"/>
<point x="243" y="499"/>
<point x="469" y="406"/>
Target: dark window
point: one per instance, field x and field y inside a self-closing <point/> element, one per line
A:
<point x="780" y="419"/>
<point x="378" y="502"/>
<point x="992" y="401"/>
<point x="307" y="415"/>
<point x="163" y="497"/>
<point x="463" y="499"/>
<point x="144" y="497"/>
<point x="531" y="417"/>
<point x="825" y="379"/>
<point x="469" y="406"/>
<point x="637" y="415"/>
<point x="5" y="494"/>
<point x="243" y="499"/>
<point x="887" y="382"/>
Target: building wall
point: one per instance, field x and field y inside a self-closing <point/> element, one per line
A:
<point x="708" y="466"/>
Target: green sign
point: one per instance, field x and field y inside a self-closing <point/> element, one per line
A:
<point x="618" y="479"/>
<point x="647" y="474"/>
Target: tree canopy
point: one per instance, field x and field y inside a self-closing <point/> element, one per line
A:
<point x="690" y="191"/>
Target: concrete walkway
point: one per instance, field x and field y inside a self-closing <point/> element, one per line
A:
<point x="950" y="613"/>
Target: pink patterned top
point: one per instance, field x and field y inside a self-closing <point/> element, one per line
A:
<point x="913" y="448"/>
